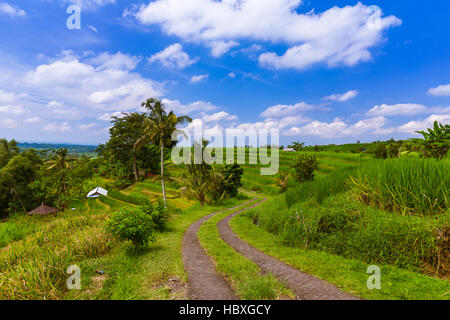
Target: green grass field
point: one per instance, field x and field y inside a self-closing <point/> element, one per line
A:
<point x="357" y="212"/>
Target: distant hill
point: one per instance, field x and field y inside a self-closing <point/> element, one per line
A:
<point x="72" y="148"/>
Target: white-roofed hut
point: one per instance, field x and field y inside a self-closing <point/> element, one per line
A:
<point x="97" y="192"/>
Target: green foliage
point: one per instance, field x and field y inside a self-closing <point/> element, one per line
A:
<point x="132" y="224"/>
<point x="16" y="175"/>
<point x="436" y="141"/>
<point x="304" y="166"/>
<point x="347" y="228"/>
<point x="231" y="174"/>
<point x="381" y="151"/>
<point x="282" y="182"/>
<point x="119" y="151"/>
<point x="8" y="149"/>
<point x="407" y="186"/>
<point x="297" y="146"/>
<point x="158" y="213"/>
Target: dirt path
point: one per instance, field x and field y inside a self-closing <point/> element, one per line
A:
<point x="305" y="286"/>
<point x="204" y="282"/>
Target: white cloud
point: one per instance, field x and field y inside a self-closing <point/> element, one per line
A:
<point x="180" y="109"/>
<point x="54" y="104"/>
<point x="286" y="110"/>
<point x="231" y="75"/>
<point x="338" y="128"/>
<point x="9" y="97"/>
<point x="173" y="57"/>
<point x="397" y="109"/>
<point x="413" y="126"/>
<point x="219" y="116"/>
<point x="117" y="61"/>
<point x="13" y="110"/>
<point x="342" y="97"/>
<point x="199" y="78"/>
<point x="85" y="127"/>
<point x="338" y="36"/>
<point x="108" y="116"/>
<point x="219" y="48"/>
<point x="32" y="120"/>
<point x="8" y="9"/>
<point x="58" y="127"/>
<point x="440" y="91"/>
<point x="107" y="80"/>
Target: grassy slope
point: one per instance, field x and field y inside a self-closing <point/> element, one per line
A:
<point x="39" y="249"/>
<point x="347" y="273"/>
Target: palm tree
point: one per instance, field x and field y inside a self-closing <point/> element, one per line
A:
<point x="60" y="162"/>
<point x="159" y="127"/>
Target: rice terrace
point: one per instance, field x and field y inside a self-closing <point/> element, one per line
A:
<point x="198" y="151"/>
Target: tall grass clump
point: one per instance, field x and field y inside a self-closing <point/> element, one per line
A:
<point x="320" y="188"/>
<point x="407" y="185"/>
<point x="351" y="229"/>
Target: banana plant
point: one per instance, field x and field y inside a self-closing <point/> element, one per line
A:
<point x="436" y="141"/>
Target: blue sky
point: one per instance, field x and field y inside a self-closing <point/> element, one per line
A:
<point x="319" y="71"/>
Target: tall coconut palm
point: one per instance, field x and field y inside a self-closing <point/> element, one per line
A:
<point x="60" y="162"/>
<point x="159" y="127"/>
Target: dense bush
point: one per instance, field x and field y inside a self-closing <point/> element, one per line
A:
<point x="132" y="224"/>
<point x="158" y="214"/>
<point x="231" y="174"/>
<point x="381" y="151"/>
<point x="406" y="185"/>
<point x="304" y="166"/>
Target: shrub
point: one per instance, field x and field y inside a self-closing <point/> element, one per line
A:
<point x="305" y="165"/>
<point x="381" y="151"/>
<point x="158" y="214"/>
<point x="231" y="174"/>
<point x="132" y="224"/>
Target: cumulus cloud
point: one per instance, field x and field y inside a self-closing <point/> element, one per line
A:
<point x="6" y="8"/>
<point x="342" y="97"/>
<point x="108" y="116"/>
<point x="219" y="116"/>
<point x="54" y="127"/>
<point x="32" y="120"/>
<point x="199" y="78"/>
<point x="397" y="109"/>
<point x="440" y="91"/>
<point x="219" y="48"/>
<point x="107" y="80"/>
<point x="338" y="128"/>
<point x="85" y="127"/>
<point x="179" y="108"/>
<point x="173" y="57"/>
<point x="286" y="110"/>
<point x="13" y="110"/>
<point x="338" y="36"/>
<point x="413" y="126"/>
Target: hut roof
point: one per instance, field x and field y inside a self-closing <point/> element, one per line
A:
<point x="43" y="210"/>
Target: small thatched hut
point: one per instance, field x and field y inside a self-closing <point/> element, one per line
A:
<point x="42" y="210"/>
